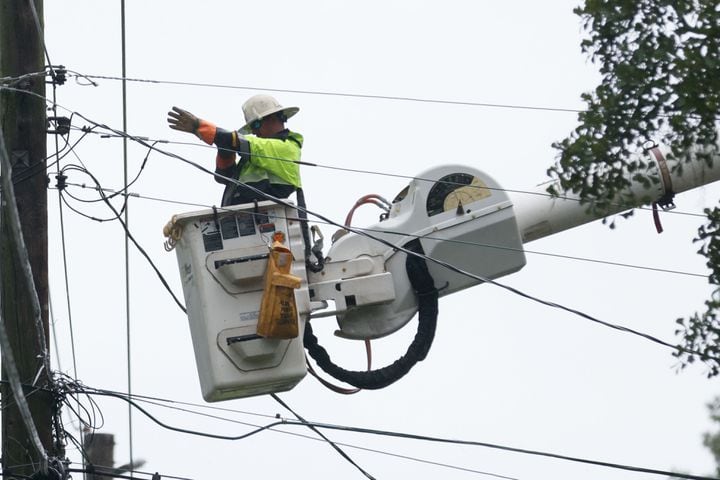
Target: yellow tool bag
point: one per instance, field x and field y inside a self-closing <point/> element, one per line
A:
<point x="278" y="316"/>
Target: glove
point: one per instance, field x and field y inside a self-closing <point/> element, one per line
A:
<point x="179" y="119"/>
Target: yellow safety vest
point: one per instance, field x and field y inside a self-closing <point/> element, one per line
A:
<point x="273" y="159"/>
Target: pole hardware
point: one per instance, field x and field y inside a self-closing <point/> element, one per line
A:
<point x="57" y="74"/>
<point x="58" y="125"/>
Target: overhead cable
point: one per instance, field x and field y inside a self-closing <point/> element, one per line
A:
<point x="139" y="247"/>
<point x="34" y="170"/>
<point x="67" y="285"/>
<point x="62" y="234"/>
<point x="408" y="436"/>
<point x="619" y="206"/>
<point x="156" y="401"/>
<point x="15" y="80"/>
<point x="132" y="402"/>
<point x="41" y="35"/>
<point x="324" y="437"/>
<point x="54" y="335"/>
<point x="67" y="290"/>
<point x="427" y="438"/>
<point x="338" y="94"/>
<point x="106" y="198"/>
<point x="100" y="471"/>
<point x="342" y="94"/>
<point x="168" y="403"/>
<point x="428" y="237"/>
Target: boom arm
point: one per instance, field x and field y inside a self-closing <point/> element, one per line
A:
<point x="450" y="205"/>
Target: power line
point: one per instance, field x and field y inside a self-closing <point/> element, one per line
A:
<point x="428" y="237"/>
<point x="408" y="436"/>
<point x="534" y="252"/>
<point x="41" y="35"/>
<point x="114" y="473"/>
<point x="139" y="248"/>
<point x="308" y="437"/>
<point x="62" y="222"/>
<point x="557" y="456"/>
<point x="324" y="438"/>
<point x="339" y="94"/>
<point x="380" y="231"/>
<point x="63" y="244"/>
<point x="156" y="401"/>
<point x="14" y="80"/>
<point x="51" y="314"/>
<point x="106" y="199"/>
<point x="132" y="402"/>
<point x="67" y="280"/>
<point x="34" y="170"/>
<point x="322" y="435"/>
<point x="619" y="206"/>
<point x="201" y="414"/>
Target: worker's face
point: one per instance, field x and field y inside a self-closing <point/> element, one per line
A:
<point x="269" y="126"/>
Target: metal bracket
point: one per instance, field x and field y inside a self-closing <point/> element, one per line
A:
<point x="61" y="125"/>
<point x="57" y="74"/>
<point x="354" y="292"/>
<point x="666" y="201"/>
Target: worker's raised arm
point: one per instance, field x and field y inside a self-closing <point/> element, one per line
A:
<point x="228" y="142"/>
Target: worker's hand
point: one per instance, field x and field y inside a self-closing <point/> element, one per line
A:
<point x="179" y="119"/>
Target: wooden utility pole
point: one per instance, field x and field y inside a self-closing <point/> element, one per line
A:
<point x="23" y="123"/>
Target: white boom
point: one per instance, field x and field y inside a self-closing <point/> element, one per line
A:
<point x="539" y="215"/>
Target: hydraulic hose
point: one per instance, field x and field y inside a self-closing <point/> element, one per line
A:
<point x="424" y="287"/>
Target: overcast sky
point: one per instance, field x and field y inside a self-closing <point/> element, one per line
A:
<point x="503" y="370"/>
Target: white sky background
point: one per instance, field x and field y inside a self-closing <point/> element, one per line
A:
<point x="502" y="369"/>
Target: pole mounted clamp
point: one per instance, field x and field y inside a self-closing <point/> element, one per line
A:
<point x="57" y="74"/>
<point x="60" y="185"/>
<point x="58" y="125"/>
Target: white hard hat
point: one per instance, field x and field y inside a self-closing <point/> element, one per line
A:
<point x="260" y="106"/>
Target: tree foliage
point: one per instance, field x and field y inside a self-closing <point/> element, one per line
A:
<point x="712" y="440"/>
<point x="660" y="67"/>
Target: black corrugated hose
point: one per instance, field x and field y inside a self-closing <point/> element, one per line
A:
<point x="424" y="287"/>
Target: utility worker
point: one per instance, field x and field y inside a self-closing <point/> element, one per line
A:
<point x="268" y="151"/>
